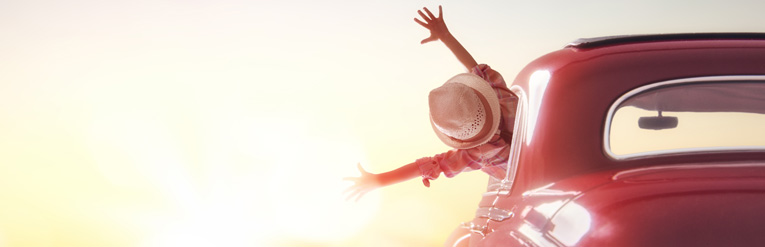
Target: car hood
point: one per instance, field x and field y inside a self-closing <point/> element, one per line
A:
<point x="680" y="205"/>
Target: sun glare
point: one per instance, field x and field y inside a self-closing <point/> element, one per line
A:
<point x="242" y="187"/>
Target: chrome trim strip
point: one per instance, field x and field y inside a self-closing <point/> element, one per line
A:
<point x="461" y="240"/>
<point x="474" y="228"/>
<point x="633" y="92"/>
<point x="519" y="135"/>
<point x="496" y="193"/>
<point x="626" y="173"/>
<point x="494" y="214"/>
<point x="522" y="239"/>
<point x="627" y="39"/>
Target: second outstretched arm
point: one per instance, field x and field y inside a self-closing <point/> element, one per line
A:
<point x="370" y="181"/>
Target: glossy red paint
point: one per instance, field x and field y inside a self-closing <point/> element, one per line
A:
<point x="689" y="205"/>
<point x="569" y="192"/>
<point x="584" y="83"/>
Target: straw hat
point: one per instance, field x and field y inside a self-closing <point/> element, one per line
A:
<point x="464" y="112"/>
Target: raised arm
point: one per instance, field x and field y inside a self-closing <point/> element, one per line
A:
<point x="438" y="31"/>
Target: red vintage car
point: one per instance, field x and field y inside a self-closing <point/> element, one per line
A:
<point x="647" y="140"/>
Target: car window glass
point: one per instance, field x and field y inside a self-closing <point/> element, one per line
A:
<point x="689" y="117"/>
<point x="518" y="126"/>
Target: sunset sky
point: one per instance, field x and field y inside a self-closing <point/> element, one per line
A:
<point x="232" y="122"/>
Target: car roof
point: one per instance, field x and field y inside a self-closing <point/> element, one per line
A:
<point x="642" y="38"/>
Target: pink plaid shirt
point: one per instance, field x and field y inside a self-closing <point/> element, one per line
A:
<point x="490" y="157"/>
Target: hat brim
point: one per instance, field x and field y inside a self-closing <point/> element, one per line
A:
<point x="486" y="92"/>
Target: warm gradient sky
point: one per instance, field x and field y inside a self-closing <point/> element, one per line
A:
<point x="232" y="122"/>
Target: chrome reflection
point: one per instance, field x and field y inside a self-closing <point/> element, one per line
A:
<point x="549" y="209"/>
<point x="494" y="214"/>
<point x="558" y="223"/>
<point x="546" y="191"/>
<point x="571" y="224"/>
<point x="479" y="229"/>
<point x="496" y="193"/>
<point x="535" y="236"/>
<point x="537" y="86"/>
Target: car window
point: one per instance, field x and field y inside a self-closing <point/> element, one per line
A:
<point x="515" y="144"/>
<point x="689" y="115"/>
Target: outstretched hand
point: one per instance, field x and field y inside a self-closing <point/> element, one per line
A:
<point x="436" y="25"/>
<point x="362" y="184"/>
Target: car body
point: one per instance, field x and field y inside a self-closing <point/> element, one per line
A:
<point x="592" y="163"/>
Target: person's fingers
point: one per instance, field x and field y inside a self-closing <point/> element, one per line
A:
<point x="351" y="195"/>
<point x="424" y="17"/>
<point x="429" y="39"/>
<point x="360" y="194"/>
<point x="356" y="194"/>
<point x="356" y="183"/>
<point x="429" y="13"/>
<point x="440" y="11"/>
<point x="421" y="23"/>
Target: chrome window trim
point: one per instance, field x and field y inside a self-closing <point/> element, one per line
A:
<point x="633" y="92"/>
<point x="519" y="134"/>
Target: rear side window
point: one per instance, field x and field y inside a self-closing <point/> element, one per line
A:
<point x="688" y="115"/>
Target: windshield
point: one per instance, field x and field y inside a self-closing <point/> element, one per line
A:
<point x="690" y="115"/>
